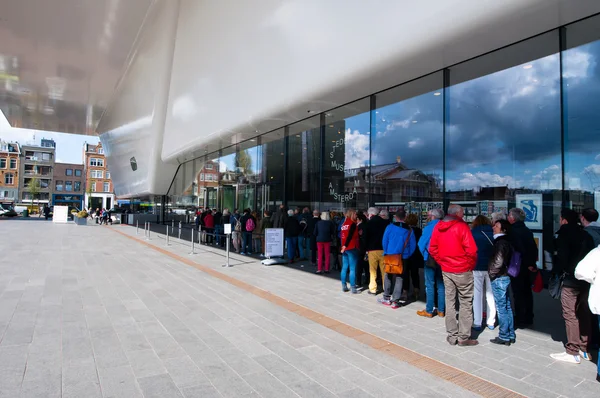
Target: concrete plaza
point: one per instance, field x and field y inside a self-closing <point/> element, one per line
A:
<point x="96" y="311"/>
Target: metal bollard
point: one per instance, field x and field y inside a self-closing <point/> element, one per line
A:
<point x="149" y="230"/>
<point x="179" y="230"/>
<point x="193" y="251"/>
<point x="227" y="251"/>
<point x="137" y="227"/>
<point x="167" y="241"/>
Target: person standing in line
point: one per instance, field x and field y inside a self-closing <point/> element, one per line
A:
<point x="496" y="216"/>
<point x="362" y="265"/>
<point x="280" y="217"/>
<point x="411" y="273"/>
<point x="324" y="231"/>
<point x="248" y="225"/>
<point x="399" y="240"/>
<point x="209" y="226"/>
<point x="522" y="241"/>
<point x="291" y="231"/>
<point x="236" y="231"/>
<point x="499" y="261"/>
<point x="589" y="220"/>
<point x="588" y="270"/>
<point x="304" y="237"/>
<point x="256" y="241"/>
<point x="432" y="270"/>
<point x="264" y="224"/>
<point x="453" y="248"/>
<point x="572" y="244"/>
<point x="218" y="221"/>
<point x="226" y="219"/>
<point x="374" y="230"/>
<point x="349" y="250"/>
<point x="482" y="232"/>
<point x="312" y="223"/>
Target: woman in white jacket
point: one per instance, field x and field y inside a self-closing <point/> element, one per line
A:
<point x="588" y="270"/>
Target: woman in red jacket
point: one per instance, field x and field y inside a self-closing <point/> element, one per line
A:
<point x="349" y="250"/>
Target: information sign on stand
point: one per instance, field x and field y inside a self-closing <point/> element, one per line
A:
<point x="273" y="246"/>
<point x="60" y="214"/>
<point x="227" y="229"/>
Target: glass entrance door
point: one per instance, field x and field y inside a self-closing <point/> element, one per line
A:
<point x="211" y="197"/>
<point x="246" y="198"/>
<point x="228" y="199"/>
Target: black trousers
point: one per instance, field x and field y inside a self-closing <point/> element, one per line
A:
<point x="411" y="272"/>
<point x="521" y="287"/>
<point x="362" y="266"/>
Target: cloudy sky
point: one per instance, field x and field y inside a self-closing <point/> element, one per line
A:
<point x="69" y="147"/>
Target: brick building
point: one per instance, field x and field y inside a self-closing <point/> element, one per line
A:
<point x="98" y="185"/>
<point x="69" y="185"/>
<point x="9" y="172"/>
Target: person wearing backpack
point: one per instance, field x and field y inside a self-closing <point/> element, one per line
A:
<point x="248" y="224"/>
<point x="291" y="232"/>
<point x="500" y="280"/>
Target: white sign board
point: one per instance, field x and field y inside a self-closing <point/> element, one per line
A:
<point x="60" y="214"/>
<point x="227" y="229"/>
<point x="274" y="242"/>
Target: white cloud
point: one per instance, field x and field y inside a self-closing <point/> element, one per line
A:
<point x="479" y="179"/>
<point x="593" y="168"/>
<point x="222" y="167"/>
<point x="597" y="157"/>
<point x="417" y="142"/>
<point x="357" y="149"/>
<point x="549" y="178"/>
<point x="577" y="64"/>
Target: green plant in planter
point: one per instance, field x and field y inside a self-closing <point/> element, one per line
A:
<point x="82" y="214"/>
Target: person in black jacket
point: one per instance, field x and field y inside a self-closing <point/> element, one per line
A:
<point x="291" y="231"/>
<point x="522" y="241"/>
<point x="310" y="229"/>
<point x="280" y="217"/>
<point x="572" y="245"/>
<point x="323" y="232"/>
<point x="498" y="271"/>
<point x="416" y="261"/>
<point x="374" y="237"/>
<point x="362" y="266"/>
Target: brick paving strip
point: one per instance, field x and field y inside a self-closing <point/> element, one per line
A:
<point x="436" y="368"/>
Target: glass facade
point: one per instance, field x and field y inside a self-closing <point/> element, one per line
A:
<point x="512" y="128"/>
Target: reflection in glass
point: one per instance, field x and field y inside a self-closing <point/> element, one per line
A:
<point x="304" y="157"/>
<point x="272" y="158"/>
<point x="346" y="156"/>
<point x="503" y="130"/>
<point x="407" y="147"/>
<point x="581" y="93"/>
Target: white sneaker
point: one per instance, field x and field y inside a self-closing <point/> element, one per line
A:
<point x="585" y="355"/>
<point x="564" y="357"/>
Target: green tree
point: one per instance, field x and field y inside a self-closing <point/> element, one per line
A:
<point x="243" y="162"/>
<point x="88" y="191"/>
<point x="34" y="189"/>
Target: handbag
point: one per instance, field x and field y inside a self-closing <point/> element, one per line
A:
<point x="431" y="263"/>
<point x="514" y="267"/>
<point x="393" y="263"/>
<point x="538" y="283"/>
<point x="555" y="285"/>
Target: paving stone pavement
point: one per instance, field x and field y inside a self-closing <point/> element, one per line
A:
<point x="86" y="312"/>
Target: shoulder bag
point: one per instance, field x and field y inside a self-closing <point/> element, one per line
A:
<point x="393" y="263"/>
<point x="431" y="263"/>
<point x="555" y="285"/>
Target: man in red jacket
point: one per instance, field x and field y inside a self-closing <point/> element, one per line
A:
<point x="453" y="248"/>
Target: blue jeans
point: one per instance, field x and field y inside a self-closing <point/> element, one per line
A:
<point x="247" y="242"/>
<point x="433" y="276"/>
<point x="291" y="247"/>
<point x="505" y="313"/>
<point x="218" y="232"/>
<point x="302" y="243"/>
<point x="349" y="261"/>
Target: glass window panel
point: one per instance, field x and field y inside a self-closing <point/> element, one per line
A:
<point x="271" y="155"/>
<point x="407" y="147"/>
<point x="346" y="156"/>
<point x="581" y="90"/>
<point x="304" y="162"/>
<point x="503" y="132"/>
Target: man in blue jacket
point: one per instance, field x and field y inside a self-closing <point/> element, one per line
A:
<point x="398" y="238"/>
<point x="432" y="271"/>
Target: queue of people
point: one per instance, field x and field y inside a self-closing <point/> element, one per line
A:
<point x="476" y="276"/>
